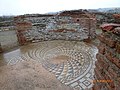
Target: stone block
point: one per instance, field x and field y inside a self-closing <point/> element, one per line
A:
<point x="101" y="48"/>
<point x="116" y="61"/>
<point x="118" y="47"/>
<point x="109" y="57"/>
<point x="96" y="87"/>
<point x="112" y="73"/>
<point x="102" y="62"/>
<point x="110" y="42"/>
<point x="101" y="38"/>
<point x="112" y="85"/>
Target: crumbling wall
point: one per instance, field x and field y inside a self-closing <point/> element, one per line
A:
<point x="107" y="71"/>
<point x="62" y="27"/>
<point x="21" y="30"/>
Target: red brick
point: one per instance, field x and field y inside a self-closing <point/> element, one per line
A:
<point x="118" y="83"/>
<point x="101" y="38"/>
<point x="105" y="70"/>
<point x="109" y="87"/>
<point x="104" y="87"/>
<point x="109" y="57"/>
<point x="112" y="73"/>
<point x="110" y="42"/>
<point x="118" y="79"/>
<point x="107" y="77"/>
<point x="101" y="48"/>
<point x="112" y="85"/>
<point x="96" y="87"/>
<point x="118" y="47"/>
<point x="97" y="73"/>
<point x="117" y="87"/>
<point x="104" y="65"/>
<point x="97" y="64"/>
<point x="102" y="62"/>
<point x="116" y="61"/>
<point x="110" y="51"/>
<point x="106" y="40"/>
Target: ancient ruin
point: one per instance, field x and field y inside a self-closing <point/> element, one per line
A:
<point x="67" y="25"/>
<point x="108" y="58"/>
<point x="69" y="50"/>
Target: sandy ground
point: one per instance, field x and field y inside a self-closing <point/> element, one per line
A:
<point x="28" y="75"/>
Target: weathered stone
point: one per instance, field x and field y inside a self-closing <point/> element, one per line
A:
<point x="67" y="26"/>
<point x="108" y="64"/>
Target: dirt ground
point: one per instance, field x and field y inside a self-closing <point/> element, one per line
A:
<point x="28" y="75"/>
<point x="48" y="66"/>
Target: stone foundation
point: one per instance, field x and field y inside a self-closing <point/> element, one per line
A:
<point x="34" y="28"/>
<point x="107" y="71"/>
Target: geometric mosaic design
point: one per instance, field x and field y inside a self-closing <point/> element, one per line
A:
<point x="72" y="62"/>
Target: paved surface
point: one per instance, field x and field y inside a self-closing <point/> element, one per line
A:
<point x="69" y="64"/>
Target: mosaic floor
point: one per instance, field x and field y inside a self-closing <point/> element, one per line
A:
<point x="71" y="62"/>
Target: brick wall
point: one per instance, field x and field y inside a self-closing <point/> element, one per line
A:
<point x="21" y="28"/>
<point x="108" y="61"/>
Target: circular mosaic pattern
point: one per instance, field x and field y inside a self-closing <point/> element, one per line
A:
<point x="76" y="65"/>
<point x="71" y="62"/>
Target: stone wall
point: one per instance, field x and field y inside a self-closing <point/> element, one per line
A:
<point x="54" y="27"/>
<point x="107" y="71"/>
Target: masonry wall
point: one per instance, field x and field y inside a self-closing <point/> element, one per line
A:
<point x="41" y="28"/>
<point x="108" y="62"/>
